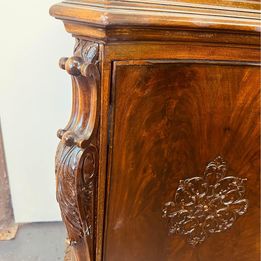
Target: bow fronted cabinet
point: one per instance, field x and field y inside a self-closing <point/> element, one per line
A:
<point x="160" y="158"/>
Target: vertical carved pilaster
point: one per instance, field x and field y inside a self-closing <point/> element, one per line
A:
<point x="77" y="153"/>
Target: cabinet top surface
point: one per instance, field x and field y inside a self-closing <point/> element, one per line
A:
<point x="233" y="15"/>
<point x="239" y="4"/>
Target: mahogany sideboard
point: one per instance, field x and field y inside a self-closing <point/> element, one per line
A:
<point x="160" y="159"/>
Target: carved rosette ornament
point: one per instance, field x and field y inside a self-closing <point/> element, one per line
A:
<point x="206" y="205"/>
<point x="77" y="153"/>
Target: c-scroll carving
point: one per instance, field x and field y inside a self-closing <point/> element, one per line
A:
<point x="77" y="153"/>
<point x="85" y="81"/>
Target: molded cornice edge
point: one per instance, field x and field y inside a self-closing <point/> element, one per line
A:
<point x="100" y="19"/>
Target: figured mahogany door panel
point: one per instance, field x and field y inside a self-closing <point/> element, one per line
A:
<point x="184" y="181"/>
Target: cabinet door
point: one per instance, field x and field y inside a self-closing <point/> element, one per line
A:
<point x="184" y="170"/>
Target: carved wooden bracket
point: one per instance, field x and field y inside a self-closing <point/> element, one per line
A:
<point x="86" y="80"/>
<point x="77" y="153"/>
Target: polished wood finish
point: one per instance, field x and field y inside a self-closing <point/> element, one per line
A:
<point x="157" y="144"/>
<point x="160" y="158"/>
<point x="127" y="20"/>
<point x="77" y="154"/>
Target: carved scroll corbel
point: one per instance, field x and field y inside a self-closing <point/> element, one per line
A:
<point x="83" y="122"/>
<point x="77" y="153"/>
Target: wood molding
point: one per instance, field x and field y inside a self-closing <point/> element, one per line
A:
<point x="102" y="18"/>
<point x="226" y="4"/>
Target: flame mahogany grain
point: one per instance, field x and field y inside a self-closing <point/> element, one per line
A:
<point x="170" y="121"/>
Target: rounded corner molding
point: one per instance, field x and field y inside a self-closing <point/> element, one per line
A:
<point x="206" y="205"/>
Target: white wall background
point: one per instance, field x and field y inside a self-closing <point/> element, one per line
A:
<point x="35" y="98"/>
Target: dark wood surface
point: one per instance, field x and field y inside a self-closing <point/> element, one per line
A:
<point x="170" y="121"/>
<point x="160" y="158"/>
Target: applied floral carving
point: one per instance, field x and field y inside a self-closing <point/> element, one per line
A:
<point x="206" y="205"/>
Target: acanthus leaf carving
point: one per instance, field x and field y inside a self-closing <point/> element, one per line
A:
<point x="206" y="205"/>
<point x="77" y="153"/>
